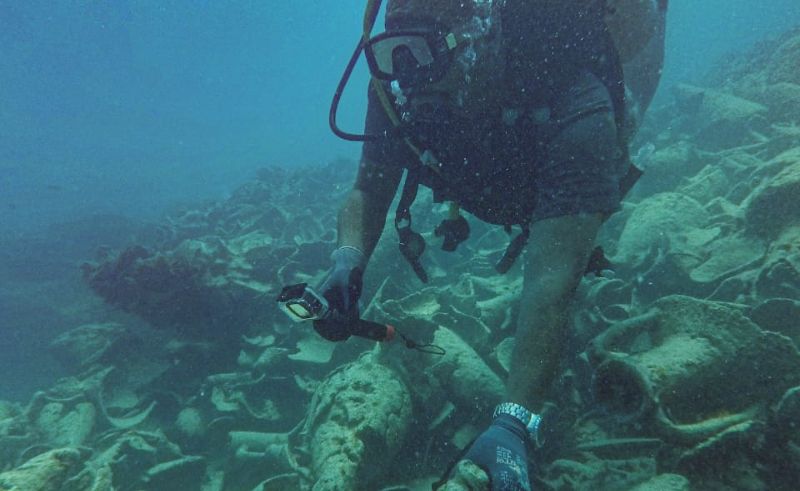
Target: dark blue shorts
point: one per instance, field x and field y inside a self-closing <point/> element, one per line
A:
<point x="584" y="163"/>
<point x="564" y="158"/>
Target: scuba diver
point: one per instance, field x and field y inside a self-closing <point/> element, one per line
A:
<point x="518" y="112"/>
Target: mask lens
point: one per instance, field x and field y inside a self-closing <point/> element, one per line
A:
<point x="391" y="54"/>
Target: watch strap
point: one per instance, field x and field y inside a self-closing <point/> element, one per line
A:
<point x="530" y="420"/>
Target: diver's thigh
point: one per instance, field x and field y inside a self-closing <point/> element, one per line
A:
<point x="583" y="163"/>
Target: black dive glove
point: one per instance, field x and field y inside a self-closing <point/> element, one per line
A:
<point x="342" y="290"/>
<point x="501" y="452"/>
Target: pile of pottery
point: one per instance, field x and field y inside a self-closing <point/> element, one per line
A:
<point x="216" y="269"/>
<point x="682" y="369"/>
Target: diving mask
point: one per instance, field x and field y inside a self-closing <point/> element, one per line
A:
<point x="413" y="57"/>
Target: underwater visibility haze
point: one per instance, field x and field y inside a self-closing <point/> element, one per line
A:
<point x="167" y="167"/>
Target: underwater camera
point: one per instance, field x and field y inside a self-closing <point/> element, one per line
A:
<point x="301" y="303"/>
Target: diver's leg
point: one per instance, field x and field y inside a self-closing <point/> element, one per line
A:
<point x="557" y="257"/>
<point x="577" y="185"/>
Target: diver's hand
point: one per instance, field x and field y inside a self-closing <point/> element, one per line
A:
<point x="342" y="287"/>
<point x="501" y="452"/>
<point x="342" y="290"/>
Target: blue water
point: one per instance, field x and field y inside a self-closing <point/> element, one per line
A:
<point x="699" y="32"/>
<point x="129" y="107"/>
<point x="132" y="108"/>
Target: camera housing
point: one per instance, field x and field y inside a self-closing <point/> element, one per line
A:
<point x="301" y="303"/>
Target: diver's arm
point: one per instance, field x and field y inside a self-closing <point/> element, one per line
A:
<point x="363" y="215"/>
<point x="643" y="72"/>
<point x="632" y="23"/>
<point x="360" y="223"/>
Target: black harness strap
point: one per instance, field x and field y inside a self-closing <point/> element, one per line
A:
<point x="412" y="245"/>
<point x="409" y="194"/>
<point x="513" y="250"/>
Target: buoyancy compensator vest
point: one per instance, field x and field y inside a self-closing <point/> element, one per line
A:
<point x="502" y="53"/>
